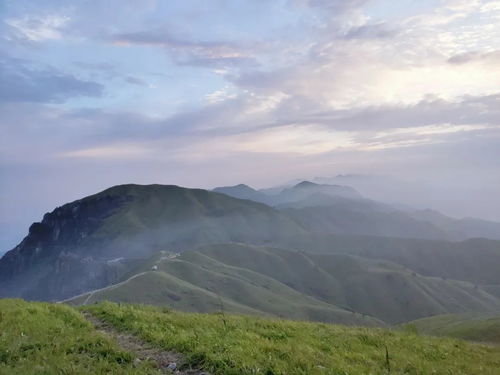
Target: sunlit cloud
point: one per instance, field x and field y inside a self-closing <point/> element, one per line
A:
<point x="122" y="152"/>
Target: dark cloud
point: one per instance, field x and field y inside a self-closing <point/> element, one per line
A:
<point x="22" y="81"/>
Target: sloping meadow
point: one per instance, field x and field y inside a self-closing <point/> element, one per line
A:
<point x="230" y="344"/>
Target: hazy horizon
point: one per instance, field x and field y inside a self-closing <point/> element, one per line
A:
<point x="206" y="94"/>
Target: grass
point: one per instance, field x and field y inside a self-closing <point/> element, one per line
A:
<point x="43" y="338"/>
<point x="473" y="327"/>
<point x="269" y="281"/>
<point x="227" y="344"/>
<point x="47" y="339"/>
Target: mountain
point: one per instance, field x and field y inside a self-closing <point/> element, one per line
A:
<point x="243" y="191"/>
<point x="287" y="195"/>
<point x="476" y="260"/>
<point x="339" y="209"/>
<point x="459" y="229"/>
<point x="195" y="249"/>
<point x="89" y="243"/>
<point x="474" y="327"/>
<point x="291" y="284"/>
<point x="306" y="190"/>
<point x="360" y="217"/>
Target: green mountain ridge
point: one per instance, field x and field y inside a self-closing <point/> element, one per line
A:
<point x="320" y="287"/>
<point x="72" y="249"/>
<point x="340" y="209"/>
<point x="252" y="258"/>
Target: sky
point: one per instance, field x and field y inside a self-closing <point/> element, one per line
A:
<point x="198" y="93"/>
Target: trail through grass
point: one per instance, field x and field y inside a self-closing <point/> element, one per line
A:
<point x="247" y="345"/>
<point x="48" y="339"/>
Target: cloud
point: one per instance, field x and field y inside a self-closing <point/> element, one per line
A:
<point x="185" y="51"/>
<point x="23" y="81"/>
<point x="338" y="6"/>
<point x="431" y="111"/>
<point x="371" y="31"/>
<point x="116" y="151"/>
<point x="39" y="28"/>
<point x="101" y="67"/>
<point x="475" y="56"/>
<point x="136" y="81"/>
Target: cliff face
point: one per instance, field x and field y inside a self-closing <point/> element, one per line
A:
<point x="57" y="250"/>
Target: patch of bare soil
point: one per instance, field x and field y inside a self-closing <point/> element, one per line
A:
<point x="167" y="362"/>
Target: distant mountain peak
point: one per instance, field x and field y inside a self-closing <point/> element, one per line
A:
<point x="244" y="186"/>
<point x="305" y="184"/>
<point x="239" y="186"/>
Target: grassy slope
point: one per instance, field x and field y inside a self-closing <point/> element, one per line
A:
<point x="295" y="285"/>
<point x="40" y="338"/>
<point x="476" y="261"/>
<point x="159" y="288"/>
<point x="246" y="345"/>
<point x="472" y="327"/>
<point x="208" y="291"/>
<point x="170" y="215"/>
<point x="378" y="288"/>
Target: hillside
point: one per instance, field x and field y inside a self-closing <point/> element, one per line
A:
<point x="42" y="338"/>
<point x="459" y="229"/>
<point x="359" y="217"/>
<point x="473" y="327"/>
<point x="197" y="283"/>
<point x="297" y="285"/>
<point x="252" y="258"/>
<point x="476" y="260"/>
<point x="245" y="345"/>
<point x="90" y="243"/>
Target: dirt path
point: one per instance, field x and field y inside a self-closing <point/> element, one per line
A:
<point x="142" y="350"/>
<point x="91" y="293"/>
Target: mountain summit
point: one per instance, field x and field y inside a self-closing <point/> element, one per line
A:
<point x="91" y="242"/>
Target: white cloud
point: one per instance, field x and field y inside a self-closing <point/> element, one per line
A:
<point x="40" y="28"/>
<point x="220" y="95"/>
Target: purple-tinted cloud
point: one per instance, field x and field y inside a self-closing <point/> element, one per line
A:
<point x="22" y="81"/>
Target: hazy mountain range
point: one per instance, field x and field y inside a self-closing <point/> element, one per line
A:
<point x="309" y="251"/>
<point x="342" y="210"/>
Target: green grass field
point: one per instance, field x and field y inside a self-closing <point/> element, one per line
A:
<point x="42" y="338"/>
<point x="48" y="339"/>
<point x="251" y="345"/>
